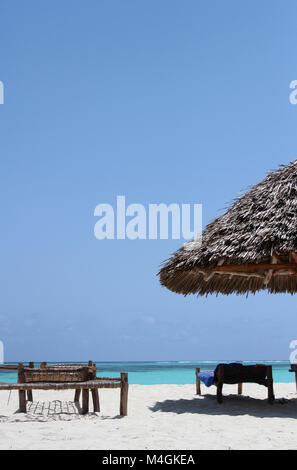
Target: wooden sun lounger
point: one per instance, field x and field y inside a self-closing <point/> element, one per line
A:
<point x="221" y="379"/>
<point x="67" y="378"/>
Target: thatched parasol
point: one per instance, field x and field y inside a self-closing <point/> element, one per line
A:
<point x="252" y="247"/>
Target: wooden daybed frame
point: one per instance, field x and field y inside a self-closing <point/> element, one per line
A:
<point x="78" y="377"/>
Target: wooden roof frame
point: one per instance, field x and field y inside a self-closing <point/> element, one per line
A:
<point x="275" y="266"/>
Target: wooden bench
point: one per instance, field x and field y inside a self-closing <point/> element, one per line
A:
<point x="65" y="377"/>
<point x="263" y="371"/>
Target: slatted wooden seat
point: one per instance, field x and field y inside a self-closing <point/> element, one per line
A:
<point x="92" y="375"/>
<point x="65" y="377"/>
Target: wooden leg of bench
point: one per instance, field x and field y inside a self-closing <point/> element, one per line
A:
<point x="22" y="401"/>
<point x="124" y="394"/>
<point x="96" y="403"/>
<point x="270" y="385"/>
<point x="219" y="392"/>
<point x="270" y="394"/>
<point x="220" y="375"/>
<point x="239" y="389"/>
<point x="198" y="386"/>
<point x="85" y="400"/>
<point x="77" y="395"/>
<point x="29" y="392"/>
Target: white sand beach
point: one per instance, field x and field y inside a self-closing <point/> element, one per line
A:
<point x="159" y="417"/>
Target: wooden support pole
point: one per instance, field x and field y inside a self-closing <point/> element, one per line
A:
<point x="22" y="393"/>
<point x="124" y="394"/>
<point x="77" y="395"/>
<point x="85" y="392"/>
<point x="239" y="389"/>
<point x="85" y="400"/>
<point x="21" y="376"/>
<point x="270" y="385"/>
<point x="220" y="383"/>
<point x="93" y="366"/>
<point x="30" y="392"/>
<point x="219" y="392"/>
<point x="96" y="403"/>
<point x="22" y="401"/>
<point x="198" y="387"/>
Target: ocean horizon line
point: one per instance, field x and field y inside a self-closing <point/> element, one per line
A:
<point x="209" y="361"/>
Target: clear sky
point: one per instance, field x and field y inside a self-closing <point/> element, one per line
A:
<point x="160" y="101"/>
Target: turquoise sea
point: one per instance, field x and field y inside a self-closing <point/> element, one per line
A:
<point x="180" y="372"/>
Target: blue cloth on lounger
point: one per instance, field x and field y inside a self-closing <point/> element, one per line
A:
<point x="207" y="378"/>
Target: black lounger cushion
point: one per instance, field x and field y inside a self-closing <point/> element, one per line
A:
<point x="238" y="373"/>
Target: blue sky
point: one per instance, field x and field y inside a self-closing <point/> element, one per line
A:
<point x="161" y="101"/>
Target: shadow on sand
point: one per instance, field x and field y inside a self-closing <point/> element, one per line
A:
<point x="233" y="405"/>
<point x="55" y="410"/>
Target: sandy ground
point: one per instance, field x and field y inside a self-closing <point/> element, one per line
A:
<point x="159" y="417"/>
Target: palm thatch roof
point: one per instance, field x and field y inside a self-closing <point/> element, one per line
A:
<point x="252" y="247"/>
